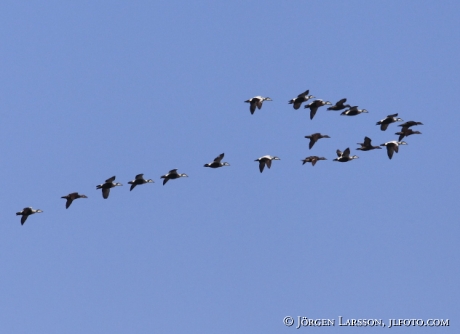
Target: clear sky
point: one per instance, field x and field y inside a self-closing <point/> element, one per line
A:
<point x="92" y="89"/>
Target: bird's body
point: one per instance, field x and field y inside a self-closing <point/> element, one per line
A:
<point x="172" y="175"/>
<point x="406" y="132"/>
<point x="71" y="197"/>
<point x="339" y="105"/>
<point x="26" y="212"/>
<point x="393" y="146"/>
<point x="313" y="106"/>
<point x="138" y="180"/>
<point x="353" y="111"/>
<point x="266" y="160"/>
<point x="107" y="185"/>
<point x="313" y="159"/>
<point x="367" y="146"/>
<point x="315" y="137"/>
<point x="345" y="156"/>
<point x="388" y="120"/>
<point x="301" y="98"/>
<point x="256" y="101"/>
<point x="217" y="162"/>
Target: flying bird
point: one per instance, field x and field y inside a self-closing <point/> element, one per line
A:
<point x="367" y="146"/>
<point x="345" y="156"/>
<point x="172" y="175"/>
<point x="408" y="124"/>
<point x="26" y="212"/>
<point x="301" y="98"/>
<point x="257" y="101"/>
<point x="406" y="132"/>
<point x="315" y="105"/>
<point x="339" y="105"/>
<point x="138" y="180"/>
<point x="353" y="111"/>
<point x="217" y="162"/>
<point x="393" y="146"/>
<point x="71" y="197"/>
<point x="315" y="137"/>
<point x="313" y="159"/>
<point x="107" y="185"/>
<point x="388" y="120"/>
<point x="266" y="160"/>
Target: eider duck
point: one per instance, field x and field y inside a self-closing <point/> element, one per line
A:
<point x="266" y="160"/>
<point x="71" y="197"/>
<point x="408" y="124"/>
<point x="107" y="185"/>
<point x="388" y="120"/>
<point x="257" y="101"/>
<point x="26" y="212"/>
<point x="315" y="105"/>
<point x="138" y="180"/>
<point x="353" y="111"/>
<point x="406" y="132"/>
<point x="171" y="175"/>
<point x="345" y="156"/>
<point x="339" y="105"/>
<point x="367" y="146"/>
<point x="315" y="137"/>
<point x="393" y="146"/>
<point x="217" y="162"/>
<point x="313" y="159"/>
<point x="301" y="98"/>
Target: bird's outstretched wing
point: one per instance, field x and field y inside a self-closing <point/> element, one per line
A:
<point x="261" y="165"/>
<point x="68" y="202"/>
<point x="219" y="158"/>
<point x="105" y="193"/>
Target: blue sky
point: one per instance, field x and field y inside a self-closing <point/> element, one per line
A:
<point x="91" y="89"/>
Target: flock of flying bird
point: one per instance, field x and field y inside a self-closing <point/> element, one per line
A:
<point x="266" y="160"/>
<point x="392" y="146"/>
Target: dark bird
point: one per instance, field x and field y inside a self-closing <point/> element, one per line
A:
<point x="315" y="137"/>
<point x="257" y="101"/>
<point x="172" y="175"/>
<point x="367" y="146"/>
<point x="313" y="159"/>
<point x="107" y="185"/>
<point x="266" y="160"/>
<point x="406" y="132"/>
<point x="345" y="156"/>
<point x="138" y="180"/>
<point x="217" y="162"/>
<point x="339" y="105"/>
<point x="301" y="98"/>
<point x="353" y="111"/>
<point x="315" y="105"/>
<point x="71" y="197"/>
<point x="393" y="146"/>
<point x="408" y="124"/>
<point x="388" y="120"/>
<point x="26" y="212"/>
